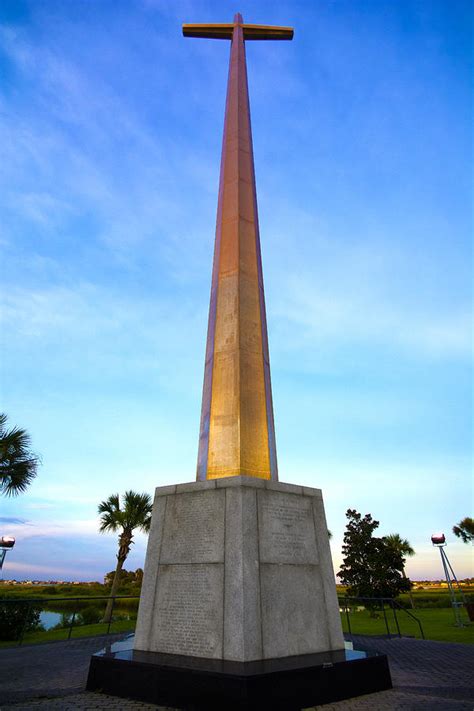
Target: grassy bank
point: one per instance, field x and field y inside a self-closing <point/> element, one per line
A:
<point x="57" y="635"/>
<point x="438" y="624"/>
<point x="29" y="592"/>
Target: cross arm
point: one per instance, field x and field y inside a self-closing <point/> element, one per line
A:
<point x="217" y="31"/>
<point x="267" y="32"/>
<point x="250" y="32"/>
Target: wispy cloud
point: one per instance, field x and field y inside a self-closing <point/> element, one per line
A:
<point x="76" y="117"/>
<point x="123" y="333"/>
<point x="32" y="570"/>
<point x="41" y="506"/>
<point x="67" y="528"/>
<point x="361" y="314"/>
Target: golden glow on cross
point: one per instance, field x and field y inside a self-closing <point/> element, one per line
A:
<point x="237" y="434"/>
<point x="225" y="31"/>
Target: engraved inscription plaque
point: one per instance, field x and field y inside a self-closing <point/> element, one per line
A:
<point x="194" y="528"/>
<point x="188" y="614"/>
<point x="286" y="528"/>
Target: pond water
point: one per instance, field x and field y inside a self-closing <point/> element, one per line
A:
<point x="50" y="619"/>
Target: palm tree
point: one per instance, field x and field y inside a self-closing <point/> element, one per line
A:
<point x="18" y="465"/>
<point x="401" y="545"/>
<point x="135" y="513"/>
<point x="465" y="530"/>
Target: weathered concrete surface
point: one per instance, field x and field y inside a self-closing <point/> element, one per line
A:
<point x="242" y="613"/>
<point x="188" y="616"/>
<point x="194" y="527"/>
<point x="239" y="570"/>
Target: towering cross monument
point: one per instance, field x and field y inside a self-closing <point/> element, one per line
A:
<point x="237" y="431"/>
<point x="238" y="608"/>
<point x="231" y="553"/>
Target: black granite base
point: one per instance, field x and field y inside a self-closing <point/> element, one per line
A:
<point x="196" y="684"/>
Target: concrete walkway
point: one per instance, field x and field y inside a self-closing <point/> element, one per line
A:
<point x="427" y="676"/>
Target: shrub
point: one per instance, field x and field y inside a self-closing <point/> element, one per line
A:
<point x="17" y="617"/>
<point x="433" y="601"/>
<point x="65" y="621"/>
<point x="90" y="615"/>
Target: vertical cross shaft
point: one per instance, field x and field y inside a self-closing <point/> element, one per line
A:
<point x="237" y="435"/>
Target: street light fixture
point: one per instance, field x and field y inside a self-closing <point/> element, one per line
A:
<point x="6" y="544"/>
<point x="439" y="541"/>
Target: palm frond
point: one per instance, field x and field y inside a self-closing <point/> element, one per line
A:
<point x="15" y="477"/>
<point x="138" y="508"/>
<point x="400" y="544"/>
<point x="18" y="465"/>
<point x="111" y="504"/>
<point x="109" y="509"/>
<point x="135" y="512"/>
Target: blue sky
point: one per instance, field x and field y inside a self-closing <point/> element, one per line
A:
<point x="110" y="133"/>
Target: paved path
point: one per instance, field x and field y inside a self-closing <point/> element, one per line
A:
<point x="47" y="670"/>
<point x="427" y="676"/>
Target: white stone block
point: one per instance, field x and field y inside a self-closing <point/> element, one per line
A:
<point x="188" y="612"/>
<point x="194" y="528"/>
<point x="238" y="571"/>
<point x="286" y="528"/>
<point x="293" y="614"/>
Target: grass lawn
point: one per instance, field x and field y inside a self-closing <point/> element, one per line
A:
<point x="55" y="635"/>
<point x="438" y="624"/>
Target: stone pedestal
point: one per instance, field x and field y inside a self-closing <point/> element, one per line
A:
<point x="238" y="607"/>
<point x="238" y="569"/>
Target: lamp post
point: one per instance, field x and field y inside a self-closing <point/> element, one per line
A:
<point x="6" y="544"/>
<point x="439" y="541"/>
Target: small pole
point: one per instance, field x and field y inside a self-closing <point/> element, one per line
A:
<point x="396" y="618"/>
<point x="385" y="618"/>
<point x="72" y="621"/>
<point x="110" y="618"/>
<point x="348" y="618"/>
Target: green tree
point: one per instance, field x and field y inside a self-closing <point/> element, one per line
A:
<point x="129" y="577"/>
<point x="397" y="543"/>
<point x="370" y="568"/>
<point x="18" y="465"/>
<point x="465" y="530"/>
<point x="135" y="513"/>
